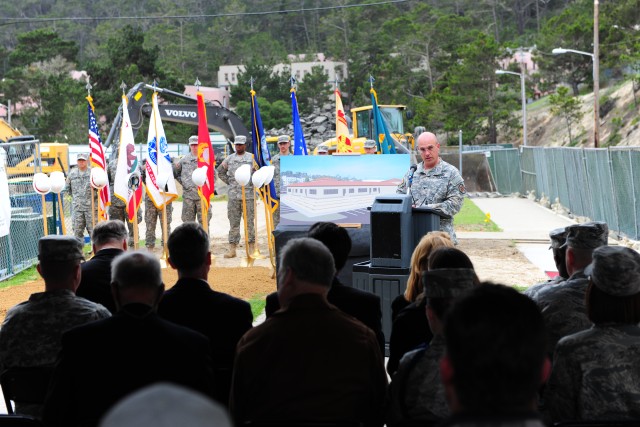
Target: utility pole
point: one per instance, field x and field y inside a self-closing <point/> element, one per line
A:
<point x="596" y="75"/>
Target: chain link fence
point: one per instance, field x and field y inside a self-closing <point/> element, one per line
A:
<point x="19" y="161"/>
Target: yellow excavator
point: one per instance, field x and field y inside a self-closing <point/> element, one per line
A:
<point x="362" y="128"/>
<point x="23" y="159"/>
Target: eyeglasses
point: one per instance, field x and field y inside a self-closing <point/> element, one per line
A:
<point x="425" y="149"/>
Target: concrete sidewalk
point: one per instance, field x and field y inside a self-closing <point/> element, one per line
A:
<point x="525" y="222"/>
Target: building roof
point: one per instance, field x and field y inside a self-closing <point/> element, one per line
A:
<point x="332" y="182"/>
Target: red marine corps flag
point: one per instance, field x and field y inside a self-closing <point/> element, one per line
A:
<point x="206" y="157"/>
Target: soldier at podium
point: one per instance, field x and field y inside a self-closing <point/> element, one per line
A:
<point x="434" y="183"/>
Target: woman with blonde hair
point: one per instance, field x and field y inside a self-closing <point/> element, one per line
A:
<point x="430" y="241"/>
<point x="401" y="341"/>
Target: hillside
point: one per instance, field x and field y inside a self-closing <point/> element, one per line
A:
<point x="621" y="122"/>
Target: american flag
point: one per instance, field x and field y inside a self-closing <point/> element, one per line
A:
<point x="98" y="161"/>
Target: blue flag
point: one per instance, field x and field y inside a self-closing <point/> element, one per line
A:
<point x="299" y="144"/>
<point x="260" y="150"/>
<point x="380" y="132"/>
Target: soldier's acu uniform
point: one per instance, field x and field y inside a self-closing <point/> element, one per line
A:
<point x="441" y="188"/>
<point x="416" y="392"/>
<point x="563" y="307"/>
<point x="226" y="172"/>
<point x="118" y="209"/>
<point x="79" y="187"/>
<point x="596" y="375"/>
<point x="275" y="161"/>
<point x="190" y="199"/>
<point x="151" y="217"/>
<point x="558" y="238"/>
<point x="31" y="332"/>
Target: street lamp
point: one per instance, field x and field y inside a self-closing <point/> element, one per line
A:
<point x="596" y="88"/>
<point x="524" y="103"/>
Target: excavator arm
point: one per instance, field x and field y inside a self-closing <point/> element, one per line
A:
<point x="219" y="118"/>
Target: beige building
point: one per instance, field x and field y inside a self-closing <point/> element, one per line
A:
<point x="299" y="66"/>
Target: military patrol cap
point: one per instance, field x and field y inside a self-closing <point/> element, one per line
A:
<point x="283" y="139"/>
<point x="589" y="235"/>
<point x="83" y="156"/>
<point x="447" y="282"/>
<point x="240" y="139"/>
<point x="369" y="143"/>
<point x="323" y="149"/>
<point x="56" y="248"/>
<point x="193" y="140"/>
<point x="558" y="237"/>
<point x="615" y="270"/>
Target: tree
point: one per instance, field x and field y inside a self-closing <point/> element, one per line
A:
<point x="314" y="90"/>
<point x="41" y="45"/>
<point x="567" y="107"/>
<point x="266" y="83"/>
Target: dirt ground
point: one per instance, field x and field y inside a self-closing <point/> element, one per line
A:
<point x="494" y="260"/>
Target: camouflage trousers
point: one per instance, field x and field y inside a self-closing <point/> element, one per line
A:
<point x="234" y="213"/>
<point x="82" y="220"/>
<point x="192" y="209"/>
<point x="152" y="216"/>
<point x="118" y="212"/>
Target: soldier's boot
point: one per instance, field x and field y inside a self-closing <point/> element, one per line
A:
<point x="231" y="252"/>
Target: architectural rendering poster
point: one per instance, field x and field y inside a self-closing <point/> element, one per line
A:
<point x="336" y="188"/>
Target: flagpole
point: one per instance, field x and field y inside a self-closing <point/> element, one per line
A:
<point x="165" y="238"/>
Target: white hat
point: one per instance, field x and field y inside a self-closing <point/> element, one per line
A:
<point x="166" y="405"/>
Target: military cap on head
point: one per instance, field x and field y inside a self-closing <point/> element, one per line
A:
<point x="282" y="139"/>
<point x="193" y="140"/>
<point x="56" y="248"/>
<point x="558" y="237"/>
<point x="615" y="270"/>
<point x="83" y="156"/>
<point x="447" y="282"/>
<point x="589" y="235"/>
<point x="323" y="149"/>
<point x="369" y="143"/>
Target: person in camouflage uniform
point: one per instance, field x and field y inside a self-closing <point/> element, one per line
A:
<point x="79" y="188"/>
<point x="370" y="146"/>
<point x="416" y="392"/>
<point x="152" y="216"/>
<point x="284" y="145"/>
<point x="562" y="306"/>
<point x="558" y="238"/>
<point x="226" y="172"/>
<point x="118" y="209"/>
<point x="182" y="171"/>
<point x="435" y="183"/>
<point x="495" y="360"/>
<point x="596" y="375"/>
<point x="31" y="332"/>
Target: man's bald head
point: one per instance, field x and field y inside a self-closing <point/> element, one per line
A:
<point x="429" y="149"/>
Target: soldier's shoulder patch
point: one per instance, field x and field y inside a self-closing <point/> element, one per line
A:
<point x="461" y="188"/>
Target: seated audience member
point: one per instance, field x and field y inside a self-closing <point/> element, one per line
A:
<point x="495" y="359"/>
<point x="362" y="305"/>
<point x="430" y="241"/>
<point x="165" y="404"/>
<point x="104" y="361"/>
<point x="558" y="238"/>
<point x="410" y="328"/>
<point x="192" y="303"/>
<point x="562" y="306"/>
<point x="109" y="240"/>
<point x="309" y="361"/>
<point x="416" y="391"/>
<point x="31" y="332"/>
<point x="596" y="375"/>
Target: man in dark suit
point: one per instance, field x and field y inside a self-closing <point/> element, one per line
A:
<point x="109" y="240"/>
<point x="104" y="361"/>
<point x="362" y="305"/>
<point x="192" y="303"/>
